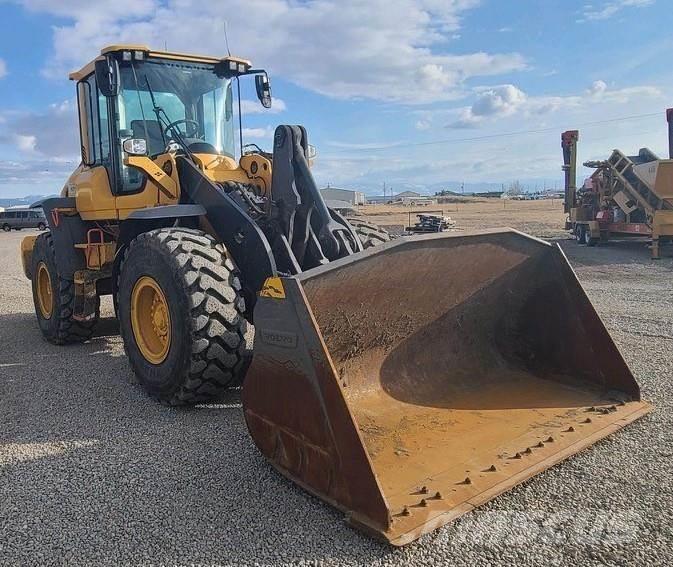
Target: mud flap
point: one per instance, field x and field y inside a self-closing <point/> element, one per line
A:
<point x="413" y="381"/>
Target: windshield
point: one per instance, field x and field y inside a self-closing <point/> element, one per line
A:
<point x="187" y="92"/>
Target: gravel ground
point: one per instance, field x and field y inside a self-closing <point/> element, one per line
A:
<point x="94" y="473"/>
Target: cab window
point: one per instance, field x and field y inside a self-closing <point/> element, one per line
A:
<point x="136" y="120"/>
<point x="93" y="123"/>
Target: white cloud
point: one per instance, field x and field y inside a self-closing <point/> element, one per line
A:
<point x="494" y="103"/>
<point x="3" y="68"/>
<point x="258" y="133"/>
<point x="25" y="143"/>
<point x="392" y="50"/>
<point x="52" y="133"/>
<point x="609" y="9"/>
<point x="598" y="88"/>
<point x="255" y="107"/>
<point x="502" y="100"/>
<point x="364" y="145"/>
<point x="43" y="174"/>
<point x="600" y="91"/>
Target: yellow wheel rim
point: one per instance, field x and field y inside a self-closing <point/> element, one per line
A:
<point x="150" y="320"/>
<point x="45" y="295"/>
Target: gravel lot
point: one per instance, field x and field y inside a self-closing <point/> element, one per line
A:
<point x="94" y="473"/>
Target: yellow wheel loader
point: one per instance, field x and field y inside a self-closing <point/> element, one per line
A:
<point x="403" y="381"/>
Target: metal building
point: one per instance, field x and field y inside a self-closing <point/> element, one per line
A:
<point x="347" y="195"/>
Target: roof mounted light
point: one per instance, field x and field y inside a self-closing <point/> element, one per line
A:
<point x="136" y="54"/>
<point x="231" y="67"/>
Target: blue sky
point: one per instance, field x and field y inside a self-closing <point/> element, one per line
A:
<point x="416" y="93"/>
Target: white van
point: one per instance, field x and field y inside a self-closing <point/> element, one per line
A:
<point x="22" y="218"/>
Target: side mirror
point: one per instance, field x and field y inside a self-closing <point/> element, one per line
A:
<point x="263" y="87"/>
<point x="107" y="76"/>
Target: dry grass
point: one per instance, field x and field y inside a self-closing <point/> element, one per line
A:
<point x="544" y="218"/>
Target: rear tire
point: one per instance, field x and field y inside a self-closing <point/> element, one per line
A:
<point x="588" y="240"/>
<point x="54" y="298"/>
<point x="6" y="228"/>
<point x="201" y="329"/>
<point x="369" y="233"/>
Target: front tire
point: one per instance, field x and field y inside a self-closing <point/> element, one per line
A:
<point x="181" y="316"/>
<point x="6" y="228"/>
<point x="54" y="298"/>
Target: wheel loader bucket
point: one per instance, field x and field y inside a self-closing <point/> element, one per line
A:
<point x="409" y="383"/>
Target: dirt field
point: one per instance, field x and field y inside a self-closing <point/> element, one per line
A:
<point x="92" y="472"/>
<point x="543" y="218"/>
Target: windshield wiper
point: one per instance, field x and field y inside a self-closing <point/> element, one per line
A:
<point x="167" y="124"/>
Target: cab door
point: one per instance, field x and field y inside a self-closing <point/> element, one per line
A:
<point x="92" y="180"/>
<point x="132" y="107"/>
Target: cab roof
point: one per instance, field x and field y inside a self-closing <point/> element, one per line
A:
<point x="192" y="58"/>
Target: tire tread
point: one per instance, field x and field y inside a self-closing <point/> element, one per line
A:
<point x="68" y="330"/>
<point x="213" y="288"/>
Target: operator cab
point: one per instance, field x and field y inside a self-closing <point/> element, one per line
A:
<point x="151" y="103"/>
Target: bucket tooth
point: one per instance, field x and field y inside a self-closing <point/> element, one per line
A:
<point x="454" y="348"/>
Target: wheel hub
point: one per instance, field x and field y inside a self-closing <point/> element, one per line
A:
<point x="45" y="298"/>
<point x="150" y="320"/>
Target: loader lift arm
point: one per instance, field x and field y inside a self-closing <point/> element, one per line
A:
<point x="298" y="231"/>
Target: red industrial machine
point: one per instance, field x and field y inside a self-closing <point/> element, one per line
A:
<point x="624" y="196"/>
